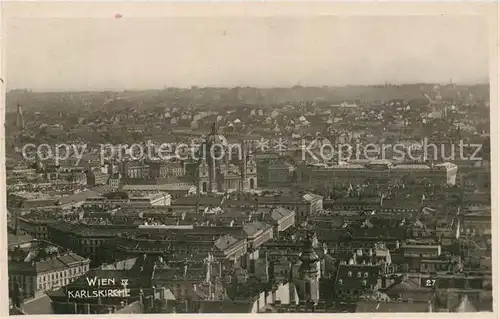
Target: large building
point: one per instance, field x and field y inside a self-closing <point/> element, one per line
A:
<point x="219" y="171"/>
<point x="131" y="199"/>
<point x="42" y="266"/>
<point x="380" y="172"/>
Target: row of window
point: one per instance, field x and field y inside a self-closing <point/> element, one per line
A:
<point x="363" y="282"/>
<point x="58" y="282"/>
<point x="94" y="242"/>
<point x="63" y="274"/>
<point x="359" y="274"/>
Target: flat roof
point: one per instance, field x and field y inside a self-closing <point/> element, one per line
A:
<point x="164" y="187"/>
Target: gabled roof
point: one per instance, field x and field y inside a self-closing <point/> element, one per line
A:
<point x="135" y="307"/>
<point x="405" y="285"/>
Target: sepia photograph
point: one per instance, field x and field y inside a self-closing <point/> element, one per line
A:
<point x="187" y="159"/>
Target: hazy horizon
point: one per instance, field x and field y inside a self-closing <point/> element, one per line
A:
<point x="98" y="54"/>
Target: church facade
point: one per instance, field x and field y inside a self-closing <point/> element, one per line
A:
<point x="223" y="167"/>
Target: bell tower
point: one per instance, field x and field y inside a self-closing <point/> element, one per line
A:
<point x="309" y="271"/>
<point x="203" y="177"/>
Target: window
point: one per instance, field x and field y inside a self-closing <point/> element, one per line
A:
<point x="349" y="274"/>
<point x="359" y="274"/>
<point x="363" y="282"/>
<point x="341" y="282"/>
<point x="366" y="275"/>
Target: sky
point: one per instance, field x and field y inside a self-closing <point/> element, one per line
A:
<point x="148" y="53"/>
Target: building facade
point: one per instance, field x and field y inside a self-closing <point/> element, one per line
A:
<point x="219" y="170"/>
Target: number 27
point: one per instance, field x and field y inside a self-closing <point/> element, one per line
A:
<point x="430" y="282"/>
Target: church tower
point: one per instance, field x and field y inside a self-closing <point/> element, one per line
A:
<point x="309" y="271"/>
<point x="215" y="148"/>
<point x="203" y="177"/>
<point x="251" y="172"/>
<point x="244" y="157"/>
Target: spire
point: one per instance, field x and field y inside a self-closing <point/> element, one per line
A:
<point x="214" y="128"/>
<point x="309" y="269"/>
<point x="308" y="255"/>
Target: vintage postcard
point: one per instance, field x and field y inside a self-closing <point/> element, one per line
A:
<point x="249" y="158"/>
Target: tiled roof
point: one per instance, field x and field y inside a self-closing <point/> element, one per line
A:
<point x="225" y="242"/>
<point x="125" y="264"/>
<point x="78" y="197"/>
<point x="18" y="239"/>
<point x="38" y="306"/>
<point x="254" y="228"/>
<point x="60" y="262"/>
<point x="205" y="200"/>
<point x="279" y="213"/>
<point x="353" y="275"/>
<point x="405" y="285"/>
<point x="135" y="307"/>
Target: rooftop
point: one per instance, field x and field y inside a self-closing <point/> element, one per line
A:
<point x="42" y="257"/>
<point x="160" y="187"/>
<point x="255" y="228"/>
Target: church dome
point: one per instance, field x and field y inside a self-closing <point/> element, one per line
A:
<point x="214" y="138"/>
